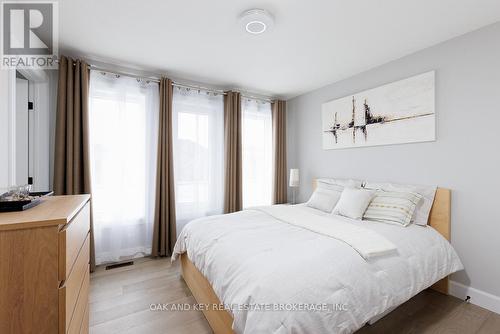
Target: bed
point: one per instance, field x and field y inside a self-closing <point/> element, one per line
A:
<point x="307" y="282"/>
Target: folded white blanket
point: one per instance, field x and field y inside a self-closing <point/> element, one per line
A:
<point x="366" y="242"/>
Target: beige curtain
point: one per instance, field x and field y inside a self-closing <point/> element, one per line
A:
<point x="232" y="150"/>
<point x="71" y="157"/>
<point x="164" y="232"/>
<point x="279" y="144"/>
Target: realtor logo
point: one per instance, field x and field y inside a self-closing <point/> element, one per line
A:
<point x="29" y="36"/>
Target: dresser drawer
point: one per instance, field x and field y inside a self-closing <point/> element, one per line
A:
<point x="71" y="239"/>
<point x="81" y="307"/>
<point x="69" y="291"/>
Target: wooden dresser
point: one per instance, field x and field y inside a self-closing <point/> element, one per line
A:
<point x="44" y="267"/>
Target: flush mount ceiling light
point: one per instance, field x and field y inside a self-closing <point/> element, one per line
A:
<point x="256" y="21"/>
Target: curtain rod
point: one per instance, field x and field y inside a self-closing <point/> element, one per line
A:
<point x="97" y="68"/>
<point x="179" y="84"/>
<point x="195" y="87"/>
<point x="258" y="98"/>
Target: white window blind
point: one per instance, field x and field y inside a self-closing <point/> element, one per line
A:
<point x="198" y="142"/>
<point x="257" y="152"/>
<point x="123" y="147"/>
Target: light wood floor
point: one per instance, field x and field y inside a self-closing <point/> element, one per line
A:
<point x="120" y="302"/>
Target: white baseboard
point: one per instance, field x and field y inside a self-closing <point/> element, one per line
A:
<point x="477" y="297"/>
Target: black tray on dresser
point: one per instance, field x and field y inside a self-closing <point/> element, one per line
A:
<point x="10" y="206"/>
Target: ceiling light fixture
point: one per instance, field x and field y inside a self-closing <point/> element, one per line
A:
<point x="256" y="21"/>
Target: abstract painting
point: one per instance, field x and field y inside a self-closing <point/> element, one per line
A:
<point x="399" y="112"/>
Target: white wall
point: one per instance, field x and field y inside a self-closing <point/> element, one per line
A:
<point x="465" y="157"/>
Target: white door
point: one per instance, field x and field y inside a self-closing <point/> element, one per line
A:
<point x="22" y="131"/>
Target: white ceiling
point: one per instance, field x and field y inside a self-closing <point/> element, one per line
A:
<point x="313" y="43"/>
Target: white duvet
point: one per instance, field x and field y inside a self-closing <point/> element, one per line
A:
<point x="280" y="277"/>
<point x="367" y="243"/>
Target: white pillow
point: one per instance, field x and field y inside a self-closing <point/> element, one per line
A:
<point x="392" y="207"/>
<point x="423" y="209"/>
<point x="353" y="203"/>
<point x="324" y="199"/>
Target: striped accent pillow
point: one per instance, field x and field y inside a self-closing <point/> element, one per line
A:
<point x="392" y="207"/>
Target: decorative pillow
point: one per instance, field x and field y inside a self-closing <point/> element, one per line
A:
<point x="423" y="209"/>
<point x="353" y="203"/>
<point x="392" y="207"/>
<point x="324" y="199"/>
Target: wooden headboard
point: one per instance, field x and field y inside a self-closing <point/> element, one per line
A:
<point x="440" y="220"/>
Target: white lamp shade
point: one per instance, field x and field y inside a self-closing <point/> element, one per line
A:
<point x="294" y="177"/>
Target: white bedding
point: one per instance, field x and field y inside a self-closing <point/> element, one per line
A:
<point x="367" y="243"/>
<point x="252" y="259"/>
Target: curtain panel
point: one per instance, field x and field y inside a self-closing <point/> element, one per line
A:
<point x="71" y="151"/>
<point x="279" y="144"/>
<point x="198" y="142"/>
<point x="124" y="114"/>
<point x="257" y="152"/>
<point x="233" y="153"/>
<point x="164" y="231"/>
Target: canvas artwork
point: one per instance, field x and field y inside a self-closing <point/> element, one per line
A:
<point x="399" y="112"/>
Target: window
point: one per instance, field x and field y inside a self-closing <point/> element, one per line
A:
<point x="257" y="152"/>
<point x="123" y="142"/>
<point x="198" y="142"/>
